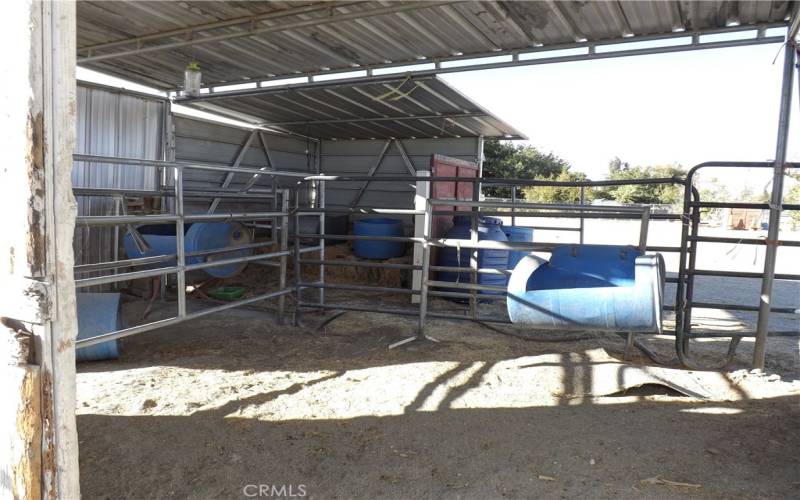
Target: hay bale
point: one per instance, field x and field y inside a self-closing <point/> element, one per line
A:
<point x="396" y="278"/>
<point x="258" y="277"/>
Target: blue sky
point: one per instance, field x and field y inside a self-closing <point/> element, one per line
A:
<point x="684" y="107"/>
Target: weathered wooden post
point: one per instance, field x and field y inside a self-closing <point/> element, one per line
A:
<point x="38" y="453"/>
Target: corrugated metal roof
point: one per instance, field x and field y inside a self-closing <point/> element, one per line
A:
<point x="151" y="42"/>
<point x="393" y="107"/>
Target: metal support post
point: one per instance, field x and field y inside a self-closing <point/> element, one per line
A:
<point x="119" y="203"/>
<point x="776" y="201"/>
<point x="297" y="265"/>
<point x="581" y="221"/>
<point x="643" y="229"/>
<point x="284" y="246"/>
<point x="179" y="243"/>
<point x="322" y="242"/>
<point x="420" y="230"/>
<point x="473" y="254"/>
<point x="692" y="263"/>
<point x="513" y="202"/>
<point x="423" y="290"/>
<point x="630" y="339"/>
<point x="273" y="234"/>
<point x="423" y="293"/>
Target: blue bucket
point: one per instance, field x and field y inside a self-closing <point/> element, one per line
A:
<point x="376" y="249"/>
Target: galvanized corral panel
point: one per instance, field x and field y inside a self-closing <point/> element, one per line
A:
<point x="151" y="42"/>
<point x="394" y="107"/>
<point x="357" y="157"/>
<point x="112" y="122"/>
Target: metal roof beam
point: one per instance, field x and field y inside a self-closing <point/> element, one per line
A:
<point x="517" y="61"/>
<point x="513" y="53"/>
<point x="333" y="18"/>
<point x="381" y="119"/>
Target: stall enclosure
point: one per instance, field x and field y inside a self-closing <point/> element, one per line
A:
<point x="183" y="170"/>
<point x="324" y="176"/>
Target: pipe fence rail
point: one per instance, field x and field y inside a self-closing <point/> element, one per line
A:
<point x="285" y="204"/>
<point x="279" y="237"/>
<point x="687" y="250"/>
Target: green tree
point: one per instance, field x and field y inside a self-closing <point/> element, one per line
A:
<point x="559" y="194"/>
<point x="716" y="191"/>
<point x="749" y="194"/>
<point x="641" y="193"/>
<point x="506" y="160"/>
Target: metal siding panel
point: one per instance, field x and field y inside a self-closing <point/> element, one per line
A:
<point x="108" y="122"/>
<point x="205" y="141"/>
<point x="356" y="158"/>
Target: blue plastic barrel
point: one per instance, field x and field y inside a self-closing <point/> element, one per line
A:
<point x="489" y="228"/>
<point x="98" y="313"/>
<point x="376" y="249"/>
<point x="589" y="287"/>
<point x="198" y="237"/>
<point x="587" y="266"/>
<point x="520" y="234"/>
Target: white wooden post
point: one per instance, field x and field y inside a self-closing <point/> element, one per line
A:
<point x="421" y="228"/>
<point x="39" y="455"/>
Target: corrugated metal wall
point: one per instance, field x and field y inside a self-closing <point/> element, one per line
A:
<point x="115" y="123"/>
<point x="203" y="141"/>
<point x="112" y="123"/>
<point x="357" y="157"/>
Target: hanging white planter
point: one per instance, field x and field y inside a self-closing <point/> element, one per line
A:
<point x="191" y="80"/>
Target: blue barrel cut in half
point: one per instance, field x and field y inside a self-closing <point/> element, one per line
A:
<point x="199" y="236"/>
<point x="377" y="249"/>
<point x="589" y="287"/>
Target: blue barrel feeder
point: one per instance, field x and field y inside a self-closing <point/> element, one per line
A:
<point x="589" y="287"/>
<point x="518" y="234"/>
<point x="378" y="249"/>
<point x="489" y="228"/>
<point x="98" y="313"/>
<point x="197" y="237"/>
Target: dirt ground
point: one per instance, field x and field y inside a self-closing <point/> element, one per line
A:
<point x="232" y="405"/>
<point x="205" y="408"/>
